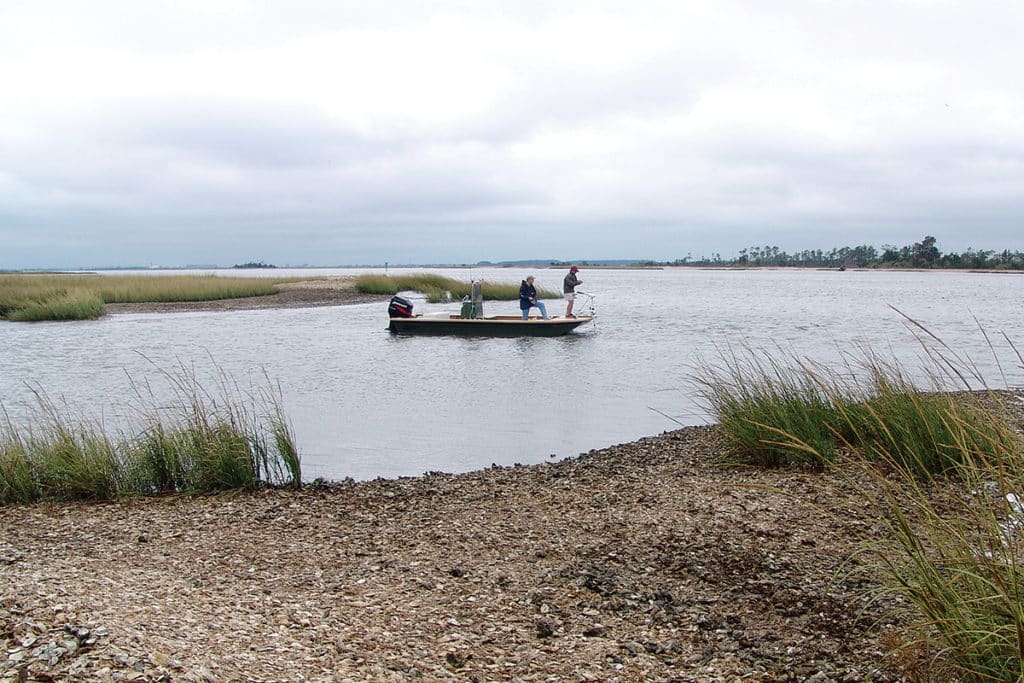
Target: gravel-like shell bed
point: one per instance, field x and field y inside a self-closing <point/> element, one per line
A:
<point x="647" y="561"/>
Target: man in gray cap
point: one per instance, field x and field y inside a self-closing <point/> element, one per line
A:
<point x="528" y="299"/>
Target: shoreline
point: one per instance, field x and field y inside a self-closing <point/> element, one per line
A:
<point x="337" y="291"/>
<point x="330" y="291"/>
<point x="642" y="561"/>
<point x="340" y="291"/>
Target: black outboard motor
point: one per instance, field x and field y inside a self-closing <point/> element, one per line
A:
<point x="400" y="307"/>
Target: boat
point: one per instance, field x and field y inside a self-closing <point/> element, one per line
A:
<point x="493" y="326"/>
<point x="402" y="321"/>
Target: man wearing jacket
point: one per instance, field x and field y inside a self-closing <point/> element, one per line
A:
<point x="528" y="299"/>
<point x="569" y="289"/>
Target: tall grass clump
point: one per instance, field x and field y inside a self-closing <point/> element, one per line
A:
<point x="75" y="466"/>
<point x="197" y="457"/>
<point x="953" y="549"/>
<point x="772" y="413"/>
<point x="57" y="458"/>
<point x="787" y="410"/>
<point x="941" y="462"/>
<point x="955" y="521"/>
<point x="436" y="288"/>
<point x="17" y="484"/>
<point x="202" y="441"/>
<point x="927" y="432"/>
<point x="231" y="438"/>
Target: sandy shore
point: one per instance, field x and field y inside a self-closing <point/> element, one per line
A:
<point x="641" y="562"/>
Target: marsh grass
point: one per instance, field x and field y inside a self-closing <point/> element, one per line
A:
<point x="17" y="484"/>
<point x="434" y="287"/>
<point x="772" y="412"/>
<point x="73" y="304"/>
<point x="29" y="297"/>
<point x="233" y="437"/>
<point x="787" y="410"/>
<point x="929" y="433"/>
<point x="140" y="289"/>
<point x="951" y="546"/>
<point x="953" y="549"/>
<point x="941" y="464"/>
<point x="75" y="466"/>
<point x="203" y="442"/>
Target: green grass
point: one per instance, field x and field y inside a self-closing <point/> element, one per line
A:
<point x="778" y="411"/>
<point x="773" y="413"/>
<point x="27" y="297"/>
<point x="202" y="442"/>
<point x="71" y="304"/>
<point x="17" y="483"/>
<point x="953" y="548"/>
<point x="434" y="287"/>
<point x="942" y="468"/>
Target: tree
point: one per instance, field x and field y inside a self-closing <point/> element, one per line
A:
<point x="925" y="253"/>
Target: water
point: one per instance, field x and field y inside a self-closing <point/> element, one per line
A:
<point x="365" y="403"/>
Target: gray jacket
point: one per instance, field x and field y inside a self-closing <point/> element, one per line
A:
<point x="569" y="283"/>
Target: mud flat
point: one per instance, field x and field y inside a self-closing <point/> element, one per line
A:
<point x="330" y="291"/>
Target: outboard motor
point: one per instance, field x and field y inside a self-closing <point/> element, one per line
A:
<point x="399" y="307"/>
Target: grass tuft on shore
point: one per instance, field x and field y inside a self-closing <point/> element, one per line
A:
<point x="941" y="464"/>
<point x="788" y="410"/>
<point x="773" y="411"/>
<point x="28" y="297"/>
<point x="436" y="287"/>
<point x="205" y="442"/>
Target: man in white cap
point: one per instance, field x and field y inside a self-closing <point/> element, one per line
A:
<point x="569" y="289"/>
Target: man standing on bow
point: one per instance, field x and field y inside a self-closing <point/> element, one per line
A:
<point x="569" y="289"/>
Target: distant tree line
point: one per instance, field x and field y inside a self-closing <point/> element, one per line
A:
<point x="923" y="254"/>
<point x="254" y="264"/>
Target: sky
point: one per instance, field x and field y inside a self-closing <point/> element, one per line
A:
<point x="329" y="132"/>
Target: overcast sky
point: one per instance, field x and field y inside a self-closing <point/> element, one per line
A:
<point x="333" y="132"/>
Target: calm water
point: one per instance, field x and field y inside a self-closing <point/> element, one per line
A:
<point x="365" y="403"/>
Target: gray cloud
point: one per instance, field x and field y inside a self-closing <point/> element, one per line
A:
<point x="334" y="132"/>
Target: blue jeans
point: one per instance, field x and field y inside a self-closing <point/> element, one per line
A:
<point x="540" y="305"/>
